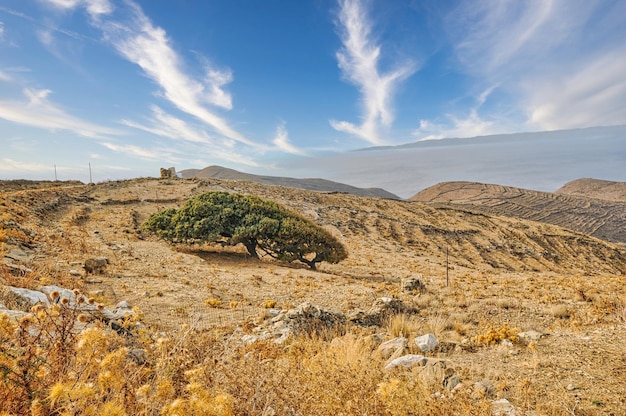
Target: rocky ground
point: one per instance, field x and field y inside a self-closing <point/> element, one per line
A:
<point x="504" y="277"/>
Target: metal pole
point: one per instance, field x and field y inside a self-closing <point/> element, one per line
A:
<point x="55" y="173"/>
<point x="90" y="180"/>
<point x="447" y="275"/>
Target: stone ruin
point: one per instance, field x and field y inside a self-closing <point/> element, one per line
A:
<point x="169" y="173"/>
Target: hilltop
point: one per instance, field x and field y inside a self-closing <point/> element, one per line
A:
<point x="601" y="218"/>
<point x="311" y="184"/>
<point x="595" y="188"/>
<point x="485" y="277"/>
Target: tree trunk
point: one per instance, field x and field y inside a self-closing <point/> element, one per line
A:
<point x="251" y="247"/>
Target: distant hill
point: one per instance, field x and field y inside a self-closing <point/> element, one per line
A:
<point x="595" y="188"/>
<point x="596" y="217"/>
<point x="314" y="184"/>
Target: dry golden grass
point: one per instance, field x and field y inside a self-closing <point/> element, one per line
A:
<point x="194" y="362"/>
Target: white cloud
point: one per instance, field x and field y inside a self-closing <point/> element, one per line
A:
<point x="148" y="46"/>
<point x="132" y="150"/>
<point x="10" y="165"/>
<point x="5" y="77"/>
<point x="38" y="111"/>
<point x="166" y="125"/>
<point x="560" y="62"/>
<point x="94" y="7"/>
<point x="281" y="141"/>
<point x="359" y="60"/>
<point x="592" y="95"/>
<point x="470" y="125"/>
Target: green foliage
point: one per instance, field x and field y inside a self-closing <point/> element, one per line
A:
<point x="231" y="219"/>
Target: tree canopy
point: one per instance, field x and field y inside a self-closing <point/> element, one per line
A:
<point x="258" y="224"/>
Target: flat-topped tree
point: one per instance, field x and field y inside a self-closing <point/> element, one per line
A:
<point x="231" y="219"/>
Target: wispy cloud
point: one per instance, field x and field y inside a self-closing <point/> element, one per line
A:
<point x="38" y="111"/>
<point x="359" y="61"/>
<point x="196" y="141"/>
<point x="166" y="125"/>
<point x="561" y="62"/>
<point x="132" y="150"/>
<point x="138" y="40"/>
<point x="471" y="124"/>
<point x="10" y="165"/>
<point x="149" y="47"/>
<point x="593" y="95"/>
<point x="281" y="141"/>
<point x="94" y="7"/>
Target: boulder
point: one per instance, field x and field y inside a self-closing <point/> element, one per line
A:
<point x="413" y="284"/>
<point x="530" y="335"/>
<point x="393" y="348"/>
<point x="407" y="361"/>
<point x="96" y="265"/>
<point x="33" y="297"/>
<point x="503" y="407"/>
<point x="380" y="311"/>
<point x="427" y="343"/>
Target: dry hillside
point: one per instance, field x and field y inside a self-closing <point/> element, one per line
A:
<point x="505" y="275"/>
<point x="595" y="188"/>
<point x="310" y="184"/>
<point x="602" y="219"/>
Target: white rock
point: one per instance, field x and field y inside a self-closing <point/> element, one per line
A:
<point x="387" y="349"/>
<point x="122" y="305"/>
<point x="15" y="315"/>
<point x="407" y="361"/>
<point x="531" y="335"/>
<point x="503" y="407"/>
<point x="32" y="296"/>
<point x="427" y="342"/>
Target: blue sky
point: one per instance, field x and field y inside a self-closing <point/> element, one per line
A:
<point x="130" y="86"/>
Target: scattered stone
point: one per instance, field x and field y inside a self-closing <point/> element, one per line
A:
<point x="19" y="255"/>
<point x="139" y="356"/>
<point x="503" y="407"/>
<point x="530" y="335"/>
<point x="393" y="348"/>
<point x="451" y="380"/>
<point x="427" y="343"/>
<point x="32" y="296"/>
<point x="407" y="361"/>
<point x="413" y="284"/>
<point x="571" y="387"/>
<point x="483" y="389"/>
<point x="380" y="311"/>
<point x="96" y="265"/>
<point x="17" y="268"/>
<point x="74" y="272"/>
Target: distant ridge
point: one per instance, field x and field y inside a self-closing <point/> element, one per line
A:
<point x="310" y="184"/>
<point x="591" y="132"/>
<point x="595" y="188"/>
<point x="599" y="218"/>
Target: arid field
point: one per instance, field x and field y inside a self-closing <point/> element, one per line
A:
<point x="530" y="317"/>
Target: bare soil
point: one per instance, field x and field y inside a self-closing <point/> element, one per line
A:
<point x="501" y="271"/>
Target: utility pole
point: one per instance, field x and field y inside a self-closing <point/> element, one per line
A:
<point x="55" y="173"/>
<point x="90" y="180"/>
<point x="447" y="263"/>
